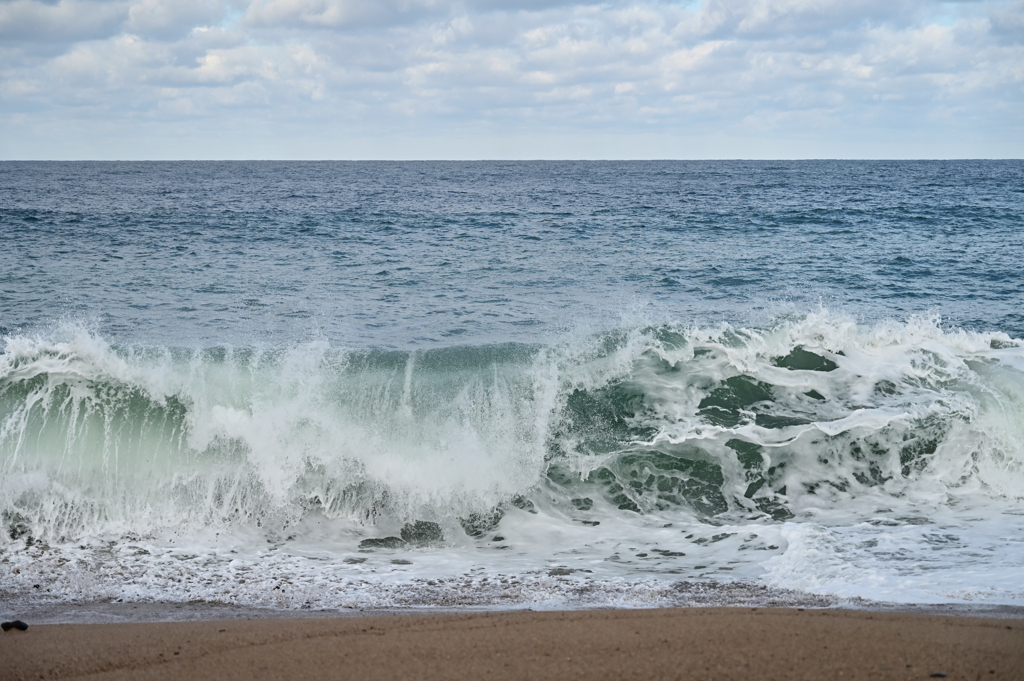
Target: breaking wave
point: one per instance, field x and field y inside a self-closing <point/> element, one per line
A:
<point x="810" y="420"/>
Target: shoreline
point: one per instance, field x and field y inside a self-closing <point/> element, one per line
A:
<point x="106" y="612"/>
<point x="738" y="643"/>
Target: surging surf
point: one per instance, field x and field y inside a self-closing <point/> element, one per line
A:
<point x="815" y="454"/>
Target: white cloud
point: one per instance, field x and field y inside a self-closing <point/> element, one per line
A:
<point x="340" y="78"/>
<point x="64" y="21"/>
<point x="172" y="18"/>
<point x="339" y="13"/>
<point x="692" y="58"/>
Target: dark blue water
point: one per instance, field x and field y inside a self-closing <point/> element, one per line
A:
<point x="559" y="383"/>
<point x="418" y="254"/>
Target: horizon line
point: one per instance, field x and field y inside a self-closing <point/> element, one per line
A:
<point x="497" y="160"/>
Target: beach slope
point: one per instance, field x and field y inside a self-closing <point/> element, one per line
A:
<point x="698" y="643"/>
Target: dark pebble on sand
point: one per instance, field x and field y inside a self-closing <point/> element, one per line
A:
<point x="16" y="624"/>
<point x="938" y="675"/>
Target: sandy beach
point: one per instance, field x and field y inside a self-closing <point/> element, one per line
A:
<point x="683" y="643"/>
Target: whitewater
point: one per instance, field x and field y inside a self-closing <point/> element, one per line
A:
<point x="550" y="437"/>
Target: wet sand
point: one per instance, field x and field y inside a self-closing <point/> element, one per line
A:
<point x="679" y="643"/>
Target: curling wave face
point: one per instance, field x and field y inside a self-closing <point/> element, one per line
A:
<point x="816" y="454"/>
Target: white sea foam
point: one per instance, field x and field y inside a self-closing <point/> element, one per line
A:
<point x="813" y="454"/>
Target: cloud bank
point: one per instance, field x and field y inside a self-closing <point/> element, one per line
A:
<point x="504" y="79"/>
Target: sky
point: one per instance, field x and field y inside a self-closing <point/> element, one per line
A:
<point x="435" y="79"/>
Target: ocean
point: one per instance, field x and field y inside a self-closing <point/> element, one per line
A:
<point x="512" y="384"/>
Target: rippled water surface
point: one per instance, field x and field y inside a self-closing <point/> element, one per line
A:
<point x="378" y="384"/>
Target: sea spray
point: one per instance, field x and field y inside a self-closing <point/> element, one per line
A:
<point x="652" y="452"/>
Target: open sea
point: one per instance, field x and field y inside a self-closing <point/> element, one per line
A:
<point x="512" y="384"/>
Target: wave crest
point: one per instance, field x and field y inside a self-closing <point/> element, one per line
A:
<point x="810" y="416"/>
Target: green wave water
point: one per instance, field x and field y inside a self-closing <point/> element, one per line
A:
<point x="681" y="446"/>
<point x="707" y="423"/>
